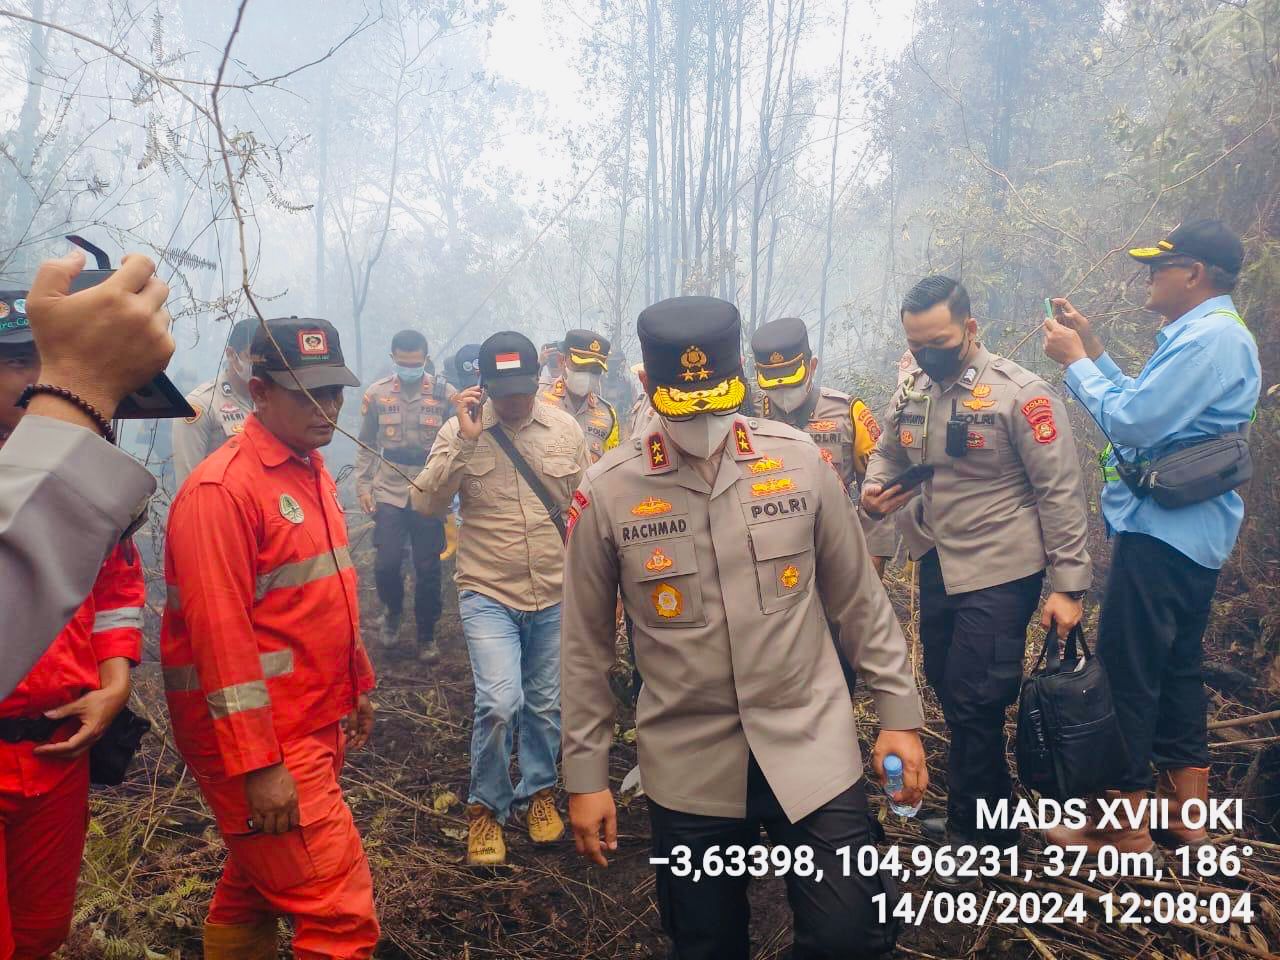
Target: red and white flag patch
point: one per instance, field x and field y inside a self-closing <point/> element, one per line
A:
<point x="507" y="361"/>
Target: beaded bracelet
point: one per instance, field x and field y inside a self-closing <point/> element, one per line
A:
<point x="101" y="422"/>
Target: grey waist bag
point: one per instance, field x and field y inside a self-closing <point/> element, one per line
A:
<point x="1193" y="474"/>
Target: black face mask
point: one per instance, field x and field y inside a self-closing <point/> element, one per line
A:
<point x="940" y="363"/>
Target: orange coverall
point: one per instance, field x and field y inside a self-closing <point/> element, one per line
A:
<point x="262" y="660"/>
<point x="44" y="801"/>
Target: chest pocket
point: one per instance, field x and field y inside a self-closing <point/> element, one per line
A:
<point x="391" y="424"/>
<point x="480" y="477"/>
<point x="783" y="555"/>
<point x="660" y="579"/>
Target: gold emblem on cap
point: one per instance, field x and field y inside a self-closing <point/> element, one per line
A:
<point x="694" y="362"/>
<point x="776" y="357"/>
<point x="595" y="346"/>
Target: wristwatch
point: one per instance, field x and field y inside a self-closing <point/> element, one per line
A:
<point x="1076" y="594"/>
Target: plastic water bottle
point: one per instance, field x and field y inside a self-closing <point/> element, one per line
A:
<point x="893" y="783"/>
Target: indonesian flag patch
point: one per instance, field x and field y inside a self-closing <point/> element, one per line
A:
<point x="506" y="361"/>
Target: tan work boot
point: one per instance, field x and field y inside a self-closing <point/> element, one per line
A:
<point x="1178" y="786"/>
<point x="486" y="846"/>
<point x="1092" y="835"/>
<point x="241" y="941"/>
<point x="545" y="825"/>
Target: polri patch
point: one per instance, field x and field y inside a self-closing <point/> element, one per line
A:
<point x="1038" y="412"/>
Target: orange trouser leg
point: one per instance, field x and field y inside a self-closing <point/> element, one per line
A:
<point x="316" y="874"/>
<point x="41" y="847"/>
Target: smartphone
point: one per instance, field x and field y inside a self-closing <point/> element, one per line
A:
<point x="158" y="400"/>
<point x="910" y="479"/>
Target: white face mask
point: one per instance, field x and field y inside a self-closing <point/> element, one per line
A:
<point x="699" y="436"/>
<point x="790" y="399"/>
<point x="239" y="369"/>
<point x="582" y="382"/>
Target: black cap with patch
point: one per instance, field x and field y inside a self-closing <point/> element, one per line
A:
<point x="310" y="348"/>
<point x="1209" y="241"/>
<point x="692" y="349"/>
<point x="466" y="365"/>
<point x="782" y="352"/>
<point x="14" y="325"/>
<point x="509" y="365"/>
<point x="586" y="350"/>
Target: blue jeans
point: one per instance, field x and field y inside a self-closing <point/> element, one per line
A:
<point x="515" y="662"/>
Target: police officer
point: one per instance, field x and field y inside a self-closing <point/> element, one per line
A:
<point x="577" y="391"/>
<point x="221" y="405"/>
<point x="733" y="544"/>
<point x="1006" y="512"/>
<point x="402" y="413"/>
<point x="844" y="428"/>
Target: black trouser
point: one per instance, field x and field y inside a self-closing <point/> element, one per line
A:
<point x="392" y="526"/>
<point x="834" y="919"/>
<point x="1153" y="619"/>
<point x="973" y="648"/>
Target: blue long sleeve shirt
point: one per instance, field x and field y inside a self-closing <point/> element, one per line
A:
<point x="1202" y="381"/>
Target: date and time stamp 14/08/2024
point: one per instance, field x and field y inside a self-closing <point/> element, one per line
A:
<point x="971" y="864"/>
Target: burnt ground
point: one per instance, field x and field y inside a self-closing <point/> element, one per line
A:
<point x="153" y="854"/>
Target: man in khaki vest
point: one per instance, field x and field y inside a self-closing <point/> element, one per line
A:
<point x="1006" y="511"/>
<point x="733" y="544"/>
<point x="577" y="390"/>
<point x="221" y="405"/>
<point x="402" y="413"/>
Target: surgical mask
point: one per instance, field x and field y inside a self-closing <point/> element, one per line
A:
<point x="699" y="436"/>
<point x="410" y="373"/>
<point x="790" y="399"/>
<point x="940" y="363"/>
<point x="582" y="382"/>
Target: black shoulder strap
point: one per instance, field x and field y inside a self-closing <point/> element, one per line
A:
<point x="522" y="467"/>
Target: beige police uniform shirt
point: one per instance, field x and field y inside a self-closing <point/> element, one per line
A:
<point x="66" y="496"/>
<point x="220" y="413"/>
<point x="1013" y="505"/>
<point x="846" y="432"/>
<point x="399" y="423"/>
<point x="730" y="587"/>
<point x="508" y="549"/>
<point x="595" y="415"/>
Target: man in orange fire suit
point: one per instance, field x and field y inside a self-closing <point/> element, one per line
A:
<point x="60" y="709"/>
<point x="265" y="675"/>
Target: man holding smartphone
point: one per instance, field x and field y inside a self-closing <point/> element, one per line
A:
<point x="1004" y="507"/>
<point x="514" y="462"/>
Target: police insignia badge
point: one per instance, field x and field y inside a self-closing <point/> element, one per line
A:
<point x="199" y="412"/>
<point x="977" y="403"/>
<point x="766" y="487"/>
<point x="650" y="507"/>
<point x="869" y="424"/>
<point x="970" y="377"/>
<point x="694" y="361"/>
<point x="776" y="357"/>
<point x="822" y="426"/>
<point x="1038" y="412"/>
<point x="906" y="438"/>
<point x="742" y="438"/>
<point x="981" y="391"/>
<point x="657" y="449"/>
<point x="790" y="577"/>
<point x="765" y="465"/>
<point x="668" y="602"/>
<point x="658" y="562"/>
<point x="226" y="389"/>
<point x="976" y="441"/>
<point x="571" y="519"/>
<point x="290" y="509"/>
